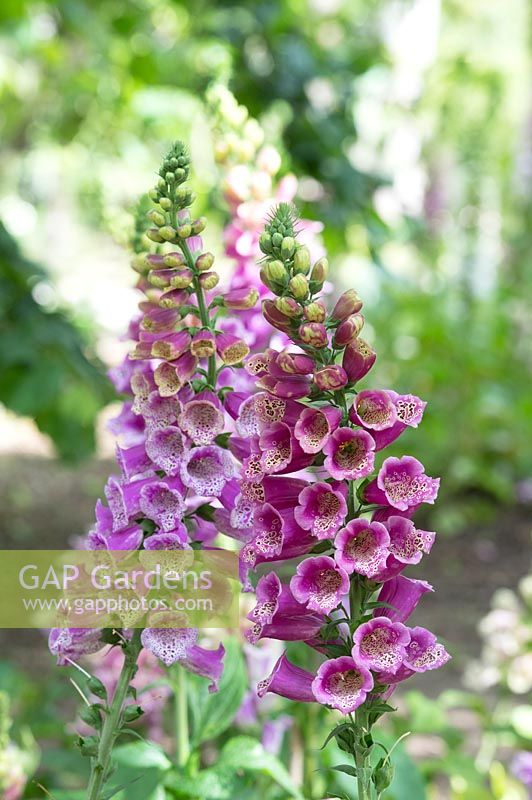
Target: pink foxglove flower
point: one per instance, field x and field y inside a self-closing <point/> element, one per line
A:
<point x="380" y="644"/>
<point x="350" y="454"/>
<point x="402" y="483"/>
<point x="342" y="683"/>
<point x="320" y="584"/>
<point x="362" y="547"/>
<point x="321" y="509"/>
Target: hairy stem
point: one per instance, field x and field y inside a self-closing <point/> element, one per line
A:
<point x="182" y="737"/>
<point x="111" y="726"/>
<point x="202" y="308"/>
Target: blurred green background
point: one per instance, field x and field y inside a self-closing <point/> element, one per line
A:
<point x="409" y="126"/>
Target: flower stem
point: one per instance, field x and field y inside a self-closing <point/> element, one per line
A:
<point x="182" y="738"/>
<point x="202" y="308"/>
<point x="111" y="726"/>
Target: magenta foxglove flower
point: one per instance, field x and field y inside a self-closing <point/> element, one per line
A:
<point x="403" y="595"/>
<point x="402" y="483"/>
<point x="202" y="418"/>
<point x="124" y="499"/>
<point x="350" y="454"/>
<point x="424" y="651"/>
<point x="342" y="683"/>
<point x="407" y="543"/>
<point x="166" y="447"/>
<point x="278" y="615"/>
<point x="162" y="502"/>
<point x="281" y="452"/>
<point x="321" y="509"/>
<point x="207" y="469"/>
<point x="380" y="644"/>
<point x="362" y="547"/>
<point x="331" y="379"/>
<point x="358" y="359"/>
<point x="175" y="539"/>
<point x="315" y="427"/>
<point x="171" y="645"/>
<point x="231" y="349"/>
<point x="133" y="460"/>
<point x="409" y="412"/>
<point x="288" y="681"/>
<point x="69" y="644"/>
<point x="373" y="409"/>
<point x="320" y="584"/>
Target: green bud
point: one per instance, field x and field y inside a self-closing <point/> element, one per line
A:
<point x="299" y="287"/>
<point x="180" y="174"/>
<point x="167" y="232"/>
<point x="161" y="184"/>
<point x="97" y="688"/>
<point x="274" y="275"/>
<point x="204" y="262"/>
<point x="173" y="260"/>
<point x="288" y="247"/>
<point x="319" y="274"/>
<point x="157" y="218"/>
<point x="154" y="235"/>
<point x="92" y="716"/>
<point x="382" y="775"/>
<point x="88" y="745"/>
<point x="198" y="226"/>
<point x="302" y="261"/>
<point x="165" y="203"/>
<point x="169" y="177"/>
<point x="277" y="239"/>
<point x="184" y="231"/>
<point x="154" y="195"/>
<point x="140" y="264"/>
<point x="315" y="312"/>
<point x="131" y="713"/>
<point x="288" y="307"/>
<point x="265" y="243"/>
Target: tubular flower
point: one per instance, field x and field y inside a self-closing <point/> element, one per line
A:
<point x="308" y="443"/>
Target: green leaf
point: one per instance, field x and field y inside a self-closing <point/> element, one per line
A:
<point x="247" y="754"/>
<point x="141" y="768"/>
<point x="346" y="769"/>
<point x="212" y="714"/>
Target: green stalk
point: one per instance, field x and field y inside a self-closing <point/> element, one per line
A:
<point x="202" y="308"/>
<point x="182" y="736"/>
<point x="111" y="726"/>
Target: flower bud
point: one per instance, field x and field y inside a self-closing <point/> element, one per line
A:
<point x="275" y="317"/>
<point x="163" y="278"/>
<point x="198" y="226"/>
<point x="168" y="233"/>
<point x="330" y="379"/>
<point x="175" y="298"/>
<point x="184" y="231"/>
<point x="358" y="359"/>
<point x="154" y="235"/>
<point x="165" y="203"/>
<point x="319" y="274"/>
<point x="175" y="260"/>
<point x="315" y="312"/>
<point x="231" y="349"/>
<point x="274" y="275"/>
<point x="288" y="306"/>
<point x="348" y="303"/>
<point x="348" y="330"/>
<point x="288" y="247"/>
<point x="154" y="195"/>
<point x="265" y="243"/>
<point x="241" y="299"/>
<point x="166" y="379"/>
<point x="204" y="262"/>
<point x="208" y="280"/>
<point x="169" y="177"/>
<point x="299" y="287"/>
<point x="182" y="279"/>
<point x="156" y="217"/>
<point x="131" y="713"/>
<point x="277" y="239"/>
<point x="295" y="363"/>
<point x="140" y="264"/>
<point x="302" y="260"/>
<point x="313" y="334"/>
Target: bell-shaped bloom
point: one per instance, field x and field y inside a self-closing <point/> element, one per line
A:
<point x="166" y="449"/>
<point x="207" y="469"/>
<point x="402" y="483"/>
<point x="350" y="454"/>
<point x="409" y="412"/>
<point x="270" y="409"/>
<point x="69" y="644"/>
<point x="423" y="653"/>
<point x="133" y="461"/>
<point x="287" y="680"/>
<point x="407" y="543"/>
<point x="241" y="299"/>
<point x="373" y="409"/>
<point x="401" y="596"/>
<point x="231" y="349"/>
<point x="358" y="359"/>
<point x="278" y="615"/>
<point x="331" y="378"/>
<point x="162" y="501"/>
<point x="127" y="426"/>
<point x="202" y="418"/>
<point x="380" y="644"/>
<point x="124" y="499"/>
<point x="321" y="509"/>
<point x="160" y="412"/>
<point x="342" y="683"/>
<point x="170" y="346"/>
<point x="362" y="547"/>
<point x="315" y="427"/>
<point x="257" y="364"/>
<point x="175" y="539"/>
<point x="205" y="662"/>
<point x="320" y="584"/>
<point x="203" y="344"/>
<point x="281" y="451"/>
<point x="125" y="539"/>
<point x="289" y="388"/>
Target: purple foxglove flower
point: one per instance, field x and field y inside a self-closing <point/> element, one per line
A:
<point x="407" y="543"/>
<point x="281" y="451"/>
<point x="166" y="378"/>
<point x="403" y="595"/>
<point x="314" y="334"/>
<point x="126" y="539"/>
<point x="248" y="422"/>
<point x="241" y="299"/>
<point x="203" y="344"/>
<point x="166" y="448"/>
<point x="258" y="364"/>
<point x="380" y="644"/>
<point x="275" y="317"/>
<point x="278" y="615"/>
<point x="293" y="388"/>
<point x="270" y="409"/>
<point x="231" y="349"/>
<point x="175" y="539"/>
<point x="348" y="303"/>
<point x="120" y="375"/>
<point x="160" y="412"/>
<point x="69" y="644"/>
<point x="290" y="363"/>
<point x="373" y="409"/>
<point x="273" y="732"/>
<point x="348" y="330"/>
<point x="350" y="454"/>
<point x="124" y="499"/>
<point x="409" y="412"/>
<point x="207" y="469"/>
<point x="206" y="663"/>
<point x="174" y="298"/>
<point x="358" y="359"/>
<point x="342" y="683"/>
<point x="162" y="501"/>
<point x="402" y="483"/>
<point x="320" y="584"/>
<point x="424" y="652"/>
<point x="133" y="461"/>
<point x="321" y="509"/>
<point x="169" y="644"/>
<point x="202" y="418"/>
<point x="288" y="681"/>
<point x="185" y="367"/>
<point x="127" y="426"/>
<point x="332" y="378"/>
<point x="315" y="427"/>
<point x="362" y="547"/>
